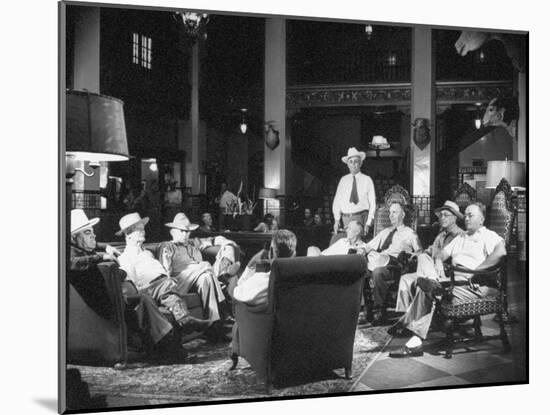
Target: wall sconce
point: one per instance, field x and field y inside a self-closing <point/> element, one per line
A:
<point x="392" y="59"/>
<point x="478" y="121"/>
<point x="271" y="135"/>
<point x="193" y="23"/>
<point x="243" y="126"/>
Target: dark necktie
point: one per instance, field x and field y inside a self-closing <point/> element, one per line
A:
<point x="388" y="241"/>
<point x="354" y="198"/>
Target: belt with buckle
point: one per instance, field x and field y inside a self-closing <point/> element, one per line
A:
<point x="347" y="215"/>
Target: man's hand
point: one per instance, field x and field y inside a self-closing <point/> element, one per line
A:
<point x="257" y="258"/>
<point x="336" y="226"/>
<point x="112" y="251"/>
<point x="366" y="230"/>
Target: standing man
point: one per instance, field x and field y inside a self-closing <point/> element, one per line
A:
<point x="355" y="198"/>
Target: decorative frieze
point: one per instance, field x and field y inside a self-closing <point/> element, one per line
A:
<point x="393" y="94"/>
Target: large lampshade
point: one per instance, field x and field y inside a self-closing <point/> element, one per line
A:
<point x="512" y="171"/>
<point x="267" y="193"/>
<point x="95" y="127"/>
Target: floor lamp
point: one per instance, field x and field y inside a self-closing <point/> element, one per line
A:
<point x="267" y="194"/>
<point x="512" y="173"/>
<point x="94" y="131"/>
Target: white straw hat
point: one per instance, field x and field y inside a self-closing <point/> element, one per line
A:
<point x="352" y="152"/>
<point x="80" y="222"/>
<point x="129" y="220"/>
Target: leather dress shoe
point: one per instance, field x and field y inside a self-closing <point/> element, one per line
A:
<point x="407" y="352"/>
<point x="190" y="324"/>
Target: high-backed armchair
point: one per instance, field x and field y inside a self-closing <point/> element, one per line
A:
<point x="397" y="194"/>
<point x="310" y="320"/>
<point x="464" y="195"/>
<point x="454" y="311"/>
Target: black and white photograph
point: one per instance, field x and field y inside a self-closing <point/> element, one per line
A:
<point x="266" y="206"/>
<point x="276" y="208"/>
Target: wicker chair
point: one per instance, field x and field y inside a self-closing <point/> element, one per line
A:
<point x="456" y="311"/>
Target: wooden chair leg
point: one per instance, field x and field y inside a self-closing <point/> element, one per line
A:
<point x="449" y="343"/>
<point x="477" y="328"/>
<point x="504" y="336"/>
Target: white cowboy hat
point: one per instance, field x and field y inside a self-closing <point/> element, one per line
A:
<point x="352" y="152"/>
<point x="80" y="222"/>
<point x="129" y="220"/>
<point x="377" y="259"/>
<point x="181" y="221"/>
<point x="451" y="207"/>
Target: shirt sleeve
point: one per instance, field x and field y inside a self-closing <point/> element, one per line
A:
<point x="371" y="196"/>
<point x="83" y="263"/>
<point x="252" y="287"/>
<point x="492" y="239"/>
<point x="415" y="242"/>
<point x="334" y="249"/>
<point x="451" y="246"/>
<point x="336" y="208"/>
<point x="125" y="265"/>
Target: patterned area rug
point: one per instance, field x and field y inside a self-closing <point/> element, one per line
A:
<point x="209" y="378"/>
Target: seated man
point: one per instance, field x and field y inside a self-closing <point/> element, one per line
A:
<point x="477" y="248"/>
<point x="414" y="297"/>
<point x="207" y="223"/>
<point x="252" y="287"/>
<point x="352" y="243"/>
<point x="382" y="251"/>
<point x="87" y="280"/>
<point x="182" y="258"/>
<point x="150" y="277"/>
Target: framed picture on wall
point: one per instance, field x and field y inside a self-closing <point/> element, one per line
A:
<point x="155" y="317"/>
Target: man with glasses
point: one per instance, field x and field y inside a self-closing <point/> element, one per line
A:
<point x="477" y="248"/>
<point x="414" y="296"/>
<point x="183" y="259"/>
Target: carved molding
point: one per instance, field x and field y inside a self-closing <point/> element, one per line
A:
<point x="392" y="94"/>
<point x="471" y="92"/>
<point x="323" y="95"/>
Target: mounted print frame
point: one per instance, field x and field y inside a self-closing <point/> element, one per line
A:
<point x="153" y="319"/>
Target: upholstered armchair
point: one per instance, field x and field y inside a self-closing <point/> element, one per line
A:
<point x="382" y="215"/>
<point x="309" y="323"/>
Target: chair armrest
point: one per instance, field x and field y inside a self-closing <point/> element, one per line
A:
<point x="490" y="270"/>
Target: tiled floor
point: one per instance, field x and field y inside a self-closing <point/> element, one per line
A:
<point x="471" y="363"/>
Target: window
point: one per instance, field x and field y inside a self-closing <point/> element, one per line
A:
<point x="141" y="50"/>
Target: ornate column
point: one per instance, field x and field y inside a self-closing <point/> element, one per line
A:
<point x="275" y="161"/>
<point x="423" y="106"/>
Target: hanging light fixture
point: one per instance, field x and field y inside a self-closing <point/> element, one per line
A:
<point x="368" y="31"/>
<point x="243" y="125"/>
<point x="193" y="23"/>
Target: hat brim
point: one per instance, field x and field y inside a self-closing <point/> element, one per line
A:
<point x="144" y="220"/>
<point x="450" y="209"/>
<point x="191" y="227"/>
<point x="362" y="155"/>
<point x="91" y="223"/>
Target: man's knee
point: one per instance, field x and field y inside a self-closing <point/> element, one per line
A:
<point x="380" y="274"/>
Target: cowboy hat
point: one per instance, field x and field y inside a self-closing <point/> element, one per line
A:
<point x="80" y="222"/>
<point x="451" y="207"/>
<point x="377" y="259"/>
<point x="182" y="222"/>
<point x="128" y="220"/>
<point x="352" y="152"/>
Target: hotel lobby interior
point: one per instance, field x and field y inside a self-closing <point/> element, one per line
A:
<point x="164" y="108"/>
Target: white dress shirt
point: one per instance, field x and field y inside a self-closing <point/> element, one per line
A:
<point x="471" y="250"/>
<point x="140" y="266"/>
<point x="252" y="287"/>
<point x="365" y="192"/>
<point x="404" y="239"/>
